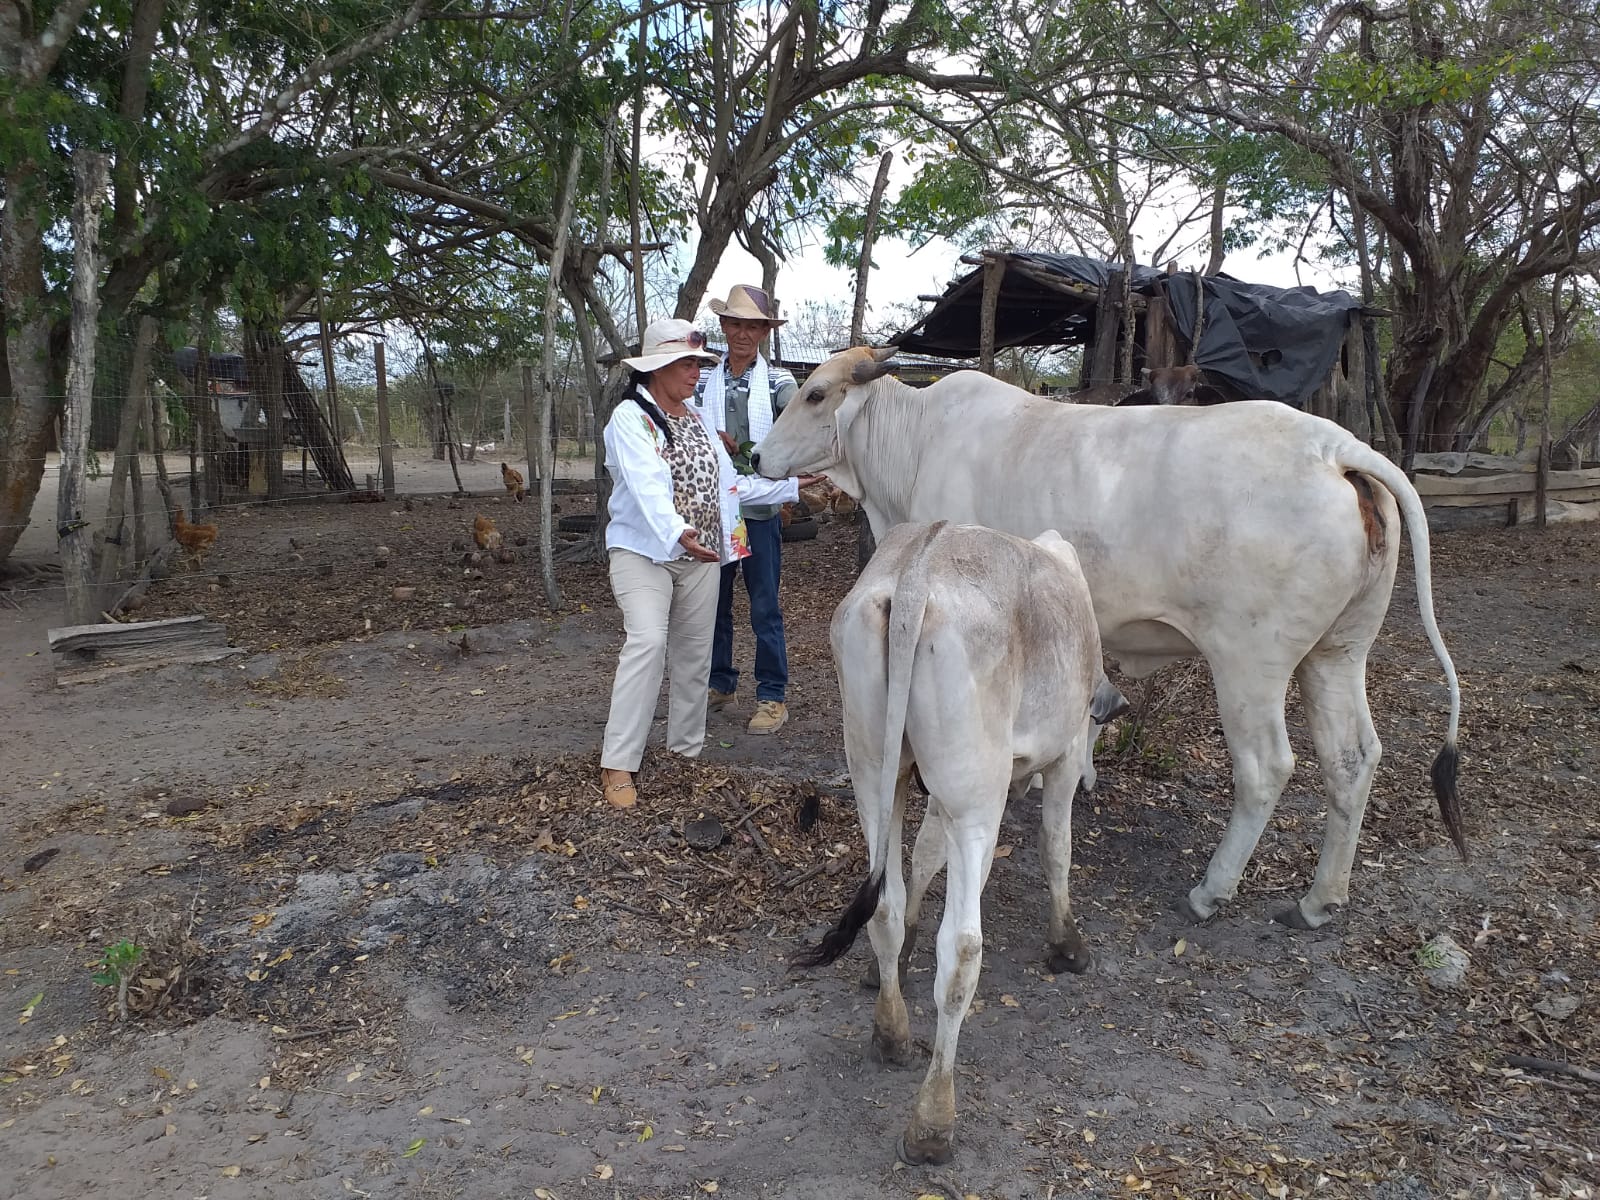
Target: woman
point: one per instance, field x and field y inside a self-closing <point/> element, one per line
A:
<point x="674" y="522"/>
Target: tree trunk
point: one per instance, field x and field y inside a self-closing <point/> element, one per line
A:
<point x="74" y="531"/>
<point x="1219" y="200"/>
<point x="639" y="315"/>
<point x="27" y="406"/>
<point x="547" y="398"/>
<point x="869" y="231"/>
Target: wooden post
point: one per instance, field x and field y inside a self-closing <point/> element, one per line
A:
<point x="1128" y="321"/>
<point x="114" y="540"/>
<point x="1160" y="348"/>
<point x="202" y="375"/>
<point x="329" y="382"/>
<point x="1103" y="353"/>
<point x="1541" y="478"/>
<point x="73" y="530"/>
<point x="868" y="231"/>
<point x="1199" y="329"/>
<point x="163" y="484"/>
<point x="994" y="271"/>
<point x="385" y="445"/>
<point x="272" y="354"/>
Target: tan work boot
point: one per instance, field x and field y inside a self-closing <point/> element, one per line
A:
<point x="618" y="787"/>
<point x="770" y="716"/>
<point x="716" y="699"/>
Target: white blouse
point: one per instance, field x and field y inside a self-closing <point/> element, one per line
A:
<point x="644" y="518"/>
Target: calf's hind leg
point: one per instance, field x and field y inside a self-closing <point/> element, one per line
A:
<point x="969" y="845"/>
<point x="927" y="860"/>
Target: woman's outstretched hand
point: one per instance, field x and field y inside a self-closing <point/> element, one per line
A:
<point x="689" y="539"/>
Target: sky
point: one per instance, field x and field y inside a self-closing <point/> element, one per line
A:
<point x="904" y="272"/>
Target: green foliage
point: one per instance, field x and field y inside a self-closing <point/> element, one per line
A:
<point x="117" y="964"/>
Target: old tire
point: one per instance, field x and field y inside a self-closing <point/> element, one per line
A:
<point x="802" y="529"/>
<point x="576" y="523"/>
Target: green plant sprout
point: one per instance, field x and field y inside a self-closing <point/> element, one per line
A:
<point x="115" y="969"/>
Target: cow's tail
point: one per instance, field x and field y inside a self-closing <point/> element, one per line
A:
<point x="1367" y="461"/>
<point x="906" y="608"/>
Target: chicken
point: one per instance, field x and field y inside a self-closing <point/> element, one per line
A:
<point x="485" y="534"/>
<point x="825" y="495"/>
<point x="196" y="540"/>
<point x="513" y="482"/>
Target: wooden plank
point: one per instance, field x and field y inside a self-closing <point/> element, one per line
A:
<point x="1505" y="483"/>
<point x="1453" y="462"/>
<point x="1498" y="499"/>
<point x="85" y="652"/>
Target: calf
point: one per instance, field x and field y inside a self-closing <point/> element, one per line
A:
<point x="970" y="656"/>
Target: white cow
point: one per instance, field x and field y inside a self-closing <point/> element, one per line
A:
<point x="972" y="656"/>
<point x="1260" y="537"/>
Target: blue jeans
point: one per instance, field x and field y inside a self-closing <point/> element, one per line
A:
<point x="761" y="571"/>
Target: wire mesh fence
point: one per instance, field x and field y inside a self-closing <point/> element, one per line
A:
<point x="258" y="419"/>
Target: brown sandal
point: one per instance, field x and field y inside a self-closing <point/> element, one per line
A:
<point x="619" y="788"/>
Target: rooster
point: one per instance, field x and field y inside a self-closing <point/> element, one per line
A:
<point x="513" y="482"/>
<point x="195" y="539"/>
<point x="485" y="534"/>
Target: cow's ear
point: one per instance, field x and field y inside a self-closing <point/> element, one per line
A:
<point x="868" y="369"/>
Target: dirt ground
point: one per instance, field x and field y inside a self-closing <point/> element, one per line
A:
<point x="395" y="944"/>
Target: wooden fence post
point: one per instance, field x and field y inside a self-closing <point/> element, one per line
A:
<point x="385" y="445"/>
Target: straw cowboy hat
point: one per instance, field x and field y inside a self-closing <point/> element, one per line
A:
<point x="668" y="340"/>
<point x="748" y="303"/>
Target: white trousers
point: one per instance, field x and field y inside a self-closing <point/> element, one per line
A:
<point x="669" y="611"/>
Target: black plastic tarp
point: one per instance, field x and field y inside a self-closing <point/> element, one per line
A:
<point x="1270" y="343"/>
<point x="1265" y="342"/>
<point x="218" y="366"/>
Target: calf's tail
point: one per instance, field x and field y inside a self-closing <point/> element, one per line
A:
<point x="906" y="608"/>
<point x="1367" y="461"/>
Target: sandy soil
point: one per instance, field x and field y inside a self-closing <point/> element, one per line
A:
<point x="399" y="947"/>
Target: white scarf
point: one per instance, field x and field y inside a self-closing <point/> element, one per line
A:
<point x="715" y="401"/>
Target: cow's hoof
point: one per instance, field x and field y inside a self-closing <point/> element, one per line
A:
<point x="1077" y="961"/>
<point x="930" y="1150"/>
<point x="889" y="1052"/>
<point x="1186" y="908"/>
<point x="1295" y="917"/>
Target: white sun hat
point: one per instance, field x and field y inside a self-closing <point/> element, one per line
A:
<point x="668" y="340"/>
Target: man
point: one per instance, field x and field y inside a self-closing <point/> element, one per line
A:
<point x="741" y="396"/>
